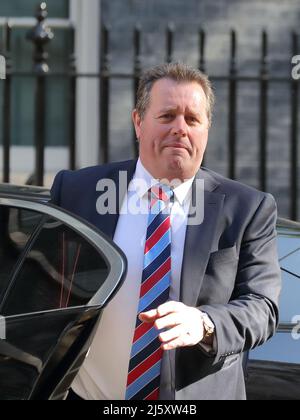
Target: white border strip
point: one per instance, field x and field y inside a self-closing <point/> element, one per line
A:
<point x="30" y="22"/>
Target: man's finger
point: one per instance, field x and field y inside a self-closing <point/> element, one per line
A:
<point x="168" y="321"/>
<point x="162" y="310"/>
<point x="149" y="316"/>
<point x="172" y="334"/>
<point x="182" y="341"/>
<point x="169" y="307"/>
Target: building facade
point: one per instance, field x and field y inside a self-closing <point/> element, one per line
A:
<point x="217" y="18"/>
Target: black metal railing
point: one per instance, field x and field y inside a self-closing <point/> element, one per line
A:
<point x="233" y="79"/>
<point x="40" y="35"/>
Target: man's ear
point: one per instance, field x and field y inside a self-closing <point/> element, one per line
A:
<point x="137" y="121"/>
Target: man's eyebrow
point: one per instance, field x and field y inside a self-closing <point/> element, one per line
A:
<point x="168" y="108"/>
<point x="174" y="109"/>
<point x="193" y="111"/>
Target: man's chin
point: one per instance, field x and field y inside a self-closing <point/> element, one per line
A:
<point x="177" y="167"/>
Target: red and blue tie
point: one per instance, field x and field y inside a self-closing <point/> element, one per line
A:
<point x="145" y="359"/>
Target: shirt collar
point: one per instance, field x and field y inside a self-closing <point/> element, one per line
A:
<point x="143" y="180"/>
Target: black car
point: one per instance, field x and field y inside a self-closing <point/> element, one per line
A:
<point x="57" y="273"/>
<point x="273" y="371"/>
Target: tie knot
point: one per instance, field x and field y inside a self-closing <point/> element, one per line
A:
<point x="161" y="192"/>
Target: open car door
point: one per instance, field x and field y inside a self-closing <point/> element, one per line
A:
<point x="57" y="273"/>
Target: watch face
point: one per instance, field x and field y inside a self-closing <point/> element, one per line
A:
<point x="208" y="326"/>
<point x="208" y="331"/>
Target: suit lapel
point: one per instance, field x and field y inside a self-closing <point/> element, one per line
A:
<point x="107" y="223"/>
<point x="199" y="238"/>
<point x="199" y="241"/>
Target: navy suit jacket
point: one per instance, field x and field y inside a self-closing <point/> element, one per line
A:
<point x="230" y="270"/>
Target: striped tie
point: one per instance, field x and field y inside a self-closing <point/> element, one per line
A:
<point x="145" y="359"/>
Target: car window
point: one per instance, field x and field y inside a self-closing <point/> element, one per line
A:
<point x="59" y="262"/>
<point x="281" y="348"/>
<point x="61" y="270"/>
<point x="287" y="245"/>
<point x="289" y="299"/>
<point x="284" y="346"/>
<point x="16" y="227"/>
<point x="289" y="259"/>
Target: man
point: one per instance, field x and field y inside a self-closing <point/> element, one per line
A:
<point x="223" y="274"/>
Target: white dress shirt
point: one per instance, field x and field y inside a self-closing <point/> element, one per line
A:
<point x="103" y="375"/>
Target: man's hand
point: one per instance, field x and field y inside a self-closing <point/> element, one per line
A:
<point x="183" y="323"/>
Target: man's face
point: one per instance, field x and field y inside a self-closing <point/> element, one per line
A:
<point x="174" y="131"/>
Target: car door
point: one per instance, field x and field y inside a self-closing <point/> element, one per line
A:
<point x="57" y="273"/>
<point x="274" y="369"/>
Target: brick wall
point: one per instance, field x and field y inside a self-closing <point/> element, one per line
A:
<point x="217" y="17"/>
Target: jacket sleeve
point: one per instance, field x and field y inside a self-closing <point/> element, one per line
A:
<point x="56" y="189"/>
<point x="251" y="316"/>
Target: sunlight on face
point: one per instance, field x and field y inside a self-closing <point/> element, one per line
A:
<point x="174" y="131"/>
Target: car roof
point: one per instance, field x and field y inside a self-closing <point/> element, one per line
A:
<point x="287" y="224"/>
<point x="25" y="192"/>
<point x="43" y="194"/>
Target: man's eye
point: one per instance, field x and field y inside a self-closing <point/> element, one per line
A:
<point x="192" y="120"/>
<point x="167" y="116"/>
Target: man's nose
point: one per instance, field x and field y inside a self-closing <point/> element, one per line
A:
<point x="179" y="126"/>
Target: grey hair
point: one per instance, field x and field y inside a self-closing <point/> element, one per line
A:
<point x="178" y="72"/>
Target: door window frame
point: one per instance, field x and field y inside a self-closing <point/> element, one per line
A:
<point x="113" y="256"/>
